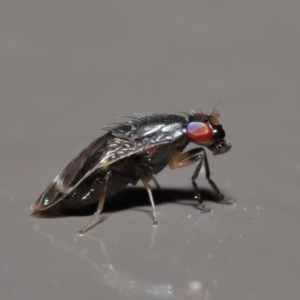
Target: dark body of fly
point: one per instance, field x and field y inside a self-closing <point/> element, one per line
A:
<point x="133" y="151"/>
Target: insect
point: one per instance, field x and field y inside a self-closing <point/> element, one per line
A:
<point x="137" y="150"/>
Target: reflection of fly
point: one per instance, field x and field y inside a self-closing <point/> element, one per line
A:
<point x="133" y="151"/>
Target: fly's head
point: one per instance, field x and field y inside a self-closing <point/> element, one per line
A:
<point x="205" y="130"/>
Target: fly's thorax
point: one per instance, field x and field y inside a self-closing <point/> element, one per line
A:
<point x="158" y="156"/>
<point x="152" y="128"/>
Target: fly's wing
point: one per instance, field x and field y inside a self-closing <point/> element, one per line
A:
<point x="100" y="154"/>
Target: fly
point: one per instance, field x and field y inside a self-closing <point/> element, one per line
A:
<point x="137" y="150"/>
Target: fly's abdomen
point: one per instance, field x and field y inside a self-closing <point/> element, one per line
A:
<point x="89" y="191"/>
<point x="86" y="194"/>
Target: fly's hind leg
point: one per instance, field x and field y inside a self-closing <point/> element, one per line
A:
<point x="192" y="156"/>
<point x="100" y="204"/>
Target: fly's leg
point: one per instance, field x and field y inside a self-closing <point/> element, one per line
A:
<point x="100" y="204"/>
<point x="157" y="187"/>
<point x="185" y="159"/>
<point x="203" y="208"/>
<point x="145" y="181"/>
<point x="190" y="157"/>
<point x="155" y="182"/>
<point x="222" y="198"/>
<point x="148" y="188"/>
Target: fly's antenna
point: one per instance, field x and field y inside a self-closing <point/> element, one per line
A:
<point x="214" y="109"/>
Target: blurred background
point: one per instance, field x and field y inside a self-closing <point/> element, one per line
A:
<point x="68" y="68"/>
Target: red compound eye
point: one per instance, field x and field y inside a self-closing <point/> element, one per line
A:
<point x="199" y="132"/>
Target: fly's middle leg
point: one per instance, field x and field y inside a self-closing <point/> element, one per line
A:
<point x="145" y="181"/>
<point x="148" y="188"/>
<point x="158" y="189"/>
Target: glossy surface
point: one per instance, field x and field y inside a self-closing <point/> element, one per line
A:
<point x="68" y="67"/>
<point x="199" y="131"/>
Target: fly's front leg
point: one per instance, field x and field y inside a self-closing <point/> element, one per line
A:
<point x="185" y="159"/>
<point x="222" y="198"/>
<point x="203" y="208"/>
<point x="190" y="157"/>
<point x="100" y="204"/>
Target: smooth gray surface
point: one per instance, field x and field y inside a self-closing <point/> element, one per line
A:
<point x="70" y="67"/>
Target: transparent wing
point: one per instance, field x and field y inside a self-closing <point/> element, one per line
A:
<point x="100" y="154"/>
